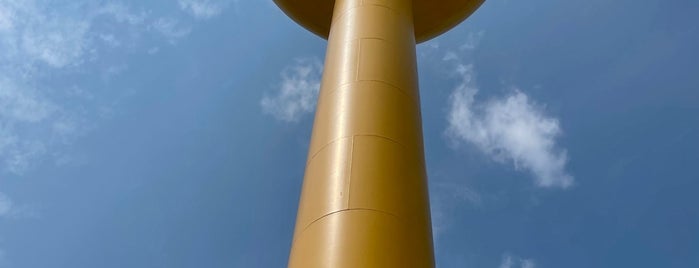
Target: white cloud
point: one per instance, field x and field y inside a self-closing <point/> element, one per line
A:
<point x="39" y="40"/>
<point x="428" y="49"/>
<point x="528" y="263"/>
<point x="32" y="126"/>
<point x="5" y="205"/>
<point x="510" y="128"/>
<point x="202" y="9"/>
<point x="22" y="113"/>
<point x="56" y="41"/>
<point x="509" y="261"/>
<point x="298" y="91"/>
<point x="110" y="40"/>
<point x="24" y="155"/>
<point x="61" y="36"/>
<point x="10" y="210"/>
<point x="34" y="35"/>
<point x="19" y="104"/>
<point x="472" y="40"/>
<point x="6" y="19"/>
<point x="122" y="13"/>
<point x="442" y="203"/>
<point x="445" y="199"/>
<point x="170" y="28"/>
<point x="450" y="56"/>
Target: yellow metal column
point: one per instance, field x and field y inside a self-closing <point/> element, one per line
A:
<point x="364" y="201"/>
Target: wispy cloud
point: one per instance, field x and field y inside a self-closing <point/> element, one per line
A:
<point x="10" y="210"/>
<point x="472" y="40"/>
<point x="298" y="91"/>
<point x="511" y="128"/>
<point x="5" y="205"/>
<point x="35" y="41"/>
<point x="21" y="158"/>
<point x="35" y="35"/>
<point x="110" y="40"/>
<point x="24" y="114"/>
<point x="19" y="104"/>
<point x="510" y="261"/>
<point x="40" y="40"/>
<point x="64" y="35"/>
<point x="444" y="198"/>
<point x="6" y="20"/>
<point x="171" y="28"/>
<point x="30" y="33"/>
<point x="203" y="9"/>
<point x="122" y="13"/>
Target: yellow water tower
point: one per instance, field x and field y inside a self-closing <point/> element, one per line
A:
<point x="364" y="201"/>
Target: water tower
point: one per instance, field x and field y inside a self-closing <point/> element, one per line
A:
<point x="364" y="201"/>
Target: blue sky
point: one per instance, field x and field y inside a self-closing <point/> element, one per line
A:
<point x="174" y="133"/>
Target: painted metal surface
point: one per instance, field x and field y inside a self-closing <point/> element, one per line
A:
<point x="364" y="201"/>
<point x="431" y="17"/>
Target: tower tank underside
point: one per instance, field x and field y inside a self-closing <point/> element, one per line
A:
<point x="430" y="17"/>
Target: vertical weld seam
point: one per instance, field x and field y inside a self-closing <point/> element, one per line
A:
<point x="349" y="173"/>
<point x="359" y="60"/>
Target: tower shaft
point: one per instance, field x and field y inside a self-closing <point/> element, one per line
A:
<point x="365" y="201"/>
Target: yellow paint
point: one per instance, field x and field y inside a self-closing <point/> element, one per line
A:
<point x="364" y="201"/>
<point x="431" y="17"/>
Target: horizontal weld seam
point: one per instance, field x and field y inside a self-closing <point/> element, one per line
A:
<point x="355" y="38"/>
<point x="420" y="162"/>
<point x="361" y="4"/>
<point x="344" y="13"/>
<point x="343" y="85"/>
<point x="352" y="136"/>
<point x="346" y="210"/>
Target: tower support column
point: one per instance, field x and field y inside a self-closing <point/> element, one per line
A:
<point x="364" y="201"/>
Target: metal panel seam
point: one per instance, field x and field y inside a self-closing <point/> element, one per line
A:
<point x="346" y="210"/>
<point x="353" y="136"/>
<point x="347" y="11"/>
<point x="344" y="85"/>
<point x="311" y="157"/>
<point x="349" y="173"/>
